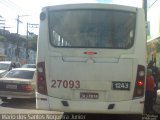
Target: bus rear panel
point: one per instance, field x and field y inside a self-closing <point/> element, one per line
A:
<point x="91" y="59"/>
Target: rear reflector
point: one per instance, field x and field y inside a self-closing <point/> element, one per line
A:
<point x="140" y="82"/>
<point x="90" y="53"/>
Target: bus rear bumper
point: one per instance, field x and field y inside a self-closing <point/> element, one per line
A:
<point x="123" y="107"/>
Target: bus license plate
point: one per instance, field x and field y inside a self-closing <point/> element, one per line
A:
<point x="89" y="95"/>
<point x="120" y="85"/>
<point x="8" y="86"/>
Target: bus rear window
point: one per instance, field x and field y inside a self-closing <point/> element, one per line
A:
<point x="92" y="28"/>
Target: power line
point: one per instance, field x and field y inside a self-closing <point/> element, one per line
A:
<point x="2" y="23"/>
<point x="7" y="5"/>
<point x="14" y="4"/>
<point x="153" y="3"/>
<point x="11" y="5"/>
<point x="33" y="25"/>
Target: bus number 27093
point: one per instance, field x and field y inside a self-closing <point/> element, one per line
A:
<point x="65" y="84"/>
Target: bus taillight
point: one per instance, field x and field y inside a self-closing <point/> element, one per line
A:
<point x="41" y="78"/>
<point x="140" y="82"/>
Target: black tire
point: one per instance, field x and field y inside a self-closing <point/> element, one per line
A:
<point x="4" y="99"/>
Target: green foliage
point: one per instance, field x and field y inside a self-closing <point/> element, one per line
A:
<point x="32" y="43"/>
<point x="2" y="38"/>
<point x="21" y="41"/>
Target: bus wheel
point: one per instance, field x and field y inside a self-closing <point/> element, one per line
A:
<point x="4" y="99"/>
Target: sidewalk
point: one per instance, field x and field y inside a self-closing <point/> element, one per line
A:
<point x="157" y="105"/>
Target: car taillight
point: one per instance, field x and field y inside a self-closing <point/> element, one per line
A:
<point x="27" y="88"/>
<point x="41" y="78"/>
<point x="140" y="82"/>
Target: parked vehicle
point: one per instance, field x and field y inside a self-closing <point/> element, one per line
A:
<point x="18" y="83"/>
<point x="29" y="66"/>
<point x="7" y="65"/>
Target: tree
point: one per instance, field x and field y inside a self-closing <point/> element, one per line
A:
<point x="2" y="38"/>
<point x="32" y="43"/>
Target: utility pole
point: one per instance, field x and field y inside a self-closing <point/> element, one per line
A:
<point x="144" y="5"/>
<point x="145" y="8"/>
<point x="18" y="21"/>
<point x="27" y="45"/>
<point x="18" y="24"/>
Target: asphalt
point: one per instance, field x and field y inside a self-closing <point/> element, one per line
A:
<point x="157" y="105"/>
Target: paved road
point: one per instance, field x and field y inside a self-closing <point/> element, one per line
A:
<point x="157" y="105"/>
<point x="23" y="106"/>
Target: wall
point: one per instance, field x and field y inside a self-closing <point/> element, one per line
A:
<point x="10" y="51"/>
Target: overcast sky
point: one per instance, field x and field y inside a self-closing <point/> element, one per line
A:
<point x="10" y="9"/>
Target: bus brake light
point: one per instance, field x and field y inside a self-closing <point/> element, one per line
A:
<point x="140" y="82"/>
<point x="41" y="79"/>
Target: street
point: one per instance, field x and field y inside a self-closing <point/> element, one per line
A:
<point x="20" y="106"/>
<point x="157" y="105"/>
<point x="25" y="109"/>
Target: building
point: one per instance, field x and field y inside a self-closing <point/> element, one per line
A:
<point x="14" y="48"/>
<point x="153" y="37"/>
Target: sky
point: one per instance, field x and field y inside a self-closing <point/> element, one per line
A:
<point x="29" y="11"/>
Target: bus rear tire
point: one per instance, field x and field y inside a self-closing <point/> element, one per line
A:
<point x="4" y="99"/>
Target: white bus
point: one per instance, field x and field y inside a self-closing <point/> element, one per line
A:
<point x="91" y="59"/>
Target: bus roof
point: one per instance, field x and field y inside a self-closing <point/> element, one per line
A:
<point x="91" y="6"/>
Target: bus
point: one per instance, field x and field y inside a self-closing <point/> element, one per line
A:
<point x="91" y="59"/>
